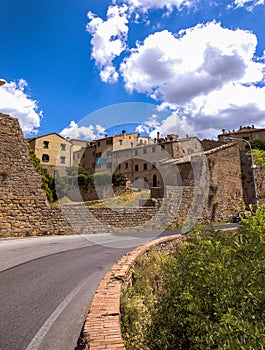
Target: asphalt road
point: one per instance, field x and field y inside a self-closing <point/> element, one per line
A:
<point x="47" y="284"/>
<point x="46" y="287"/>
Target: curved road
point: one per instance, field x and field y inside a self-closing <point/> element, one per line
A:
<point x="47" y="284"/>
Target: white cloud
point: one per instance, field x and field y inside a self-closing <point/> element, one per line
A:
<point x="108" y="40"/>
<point x="149" y="125"/>
<point x="146" y="5"/>
<point x="208" y="74"/>
<point x="89" y="132"/>
<point x="176" y="69"/>
<point x="249" y="4"/>
<point x="15" y="102"/>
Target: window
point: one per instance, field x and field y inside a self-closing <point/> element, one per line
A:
<point x="136" y="167"/>
<point x="162" y="147"/>
<point x="98" y="143"/>
<point x="119" y="167"/>
<point x="153" y="149"/>
<point x="154" y="165"/>
<point x="144" y="151"/>
<point x="246" y="138"/>
<point x="145" y="166"/>
<point x="131" y="144"/>
<point x="63" y="146"/>
<point x="120" y="141"/>
<point x="46" y="144"/>
<point x="45" y="158"/>
<point x="62" y="160"/>
<point x="136" y="152"/>
<point x="126" y="165"/>
<point x="109" y="142"/>
<point x="98" y="155"/>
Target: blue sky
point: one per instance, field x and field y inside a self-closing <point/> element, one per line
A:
<point x="77" y="67"/>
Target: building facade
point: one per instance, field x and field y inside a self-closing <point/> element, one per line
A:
<point x="54" y="152"/>
<point x="247" y="133"/>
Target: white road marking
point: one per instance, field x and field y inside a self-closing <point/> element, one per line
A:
<point x="36" y="341"/>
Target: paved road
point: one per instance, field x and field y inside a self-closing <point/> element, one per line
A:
<point x="46" y="286"/>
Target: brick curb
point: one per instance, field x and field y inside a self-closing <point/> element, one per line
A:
<point x="102" y="326"/>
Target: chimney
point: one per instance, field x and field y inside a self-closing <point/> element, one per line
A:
<point x="158" y="135"/>
<point x="123" y="132"/>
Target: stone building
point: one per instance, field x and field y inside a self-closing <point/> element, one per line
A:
<point x="57" y="153"/>
<point x="141" y="164"/>
<point x="252" y="177"/>
<point x="247" y="133"/>
<point x="54" y="152"/>
<point x="222" y="194"/>
<point x="97" y="157"/>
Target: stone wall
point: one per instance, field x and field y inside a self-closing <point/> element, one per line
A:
<point x="225" y="192"/>
<point x="24" y="207"/>
<point x="90" y="193"/>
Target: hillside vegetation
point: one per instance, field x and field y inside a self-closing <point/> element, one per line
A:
<point x="209" y="295"/>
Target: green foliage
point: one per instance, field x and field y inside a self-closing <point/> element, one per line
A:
<point x="118" y="179"/>
<point x="78" y="176"/>
<point x="209" y="295"/>
<point x="259" y="157"/>
<point x="257" y="144"/>
<point x="137" y="302"/>
<point x="46" y="180"/>
<point x="102" y="178"/>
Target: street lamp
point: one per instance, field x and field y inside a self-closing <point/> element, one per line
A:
<point x="253" y="166"/>
<point x="2" y="82"/>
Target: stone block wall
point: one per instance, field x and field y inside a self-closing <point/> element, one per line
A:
<point x="24" y="209"/>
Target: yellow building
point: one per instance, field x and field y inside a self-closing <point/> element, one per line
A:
<point x="54" y="152"/>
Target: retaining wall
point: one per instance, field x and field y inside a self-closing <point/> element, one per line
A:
<point x="102" y="326"/>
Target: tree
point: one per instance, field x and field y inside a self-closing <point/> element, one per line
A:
<point x="118" y="179"/>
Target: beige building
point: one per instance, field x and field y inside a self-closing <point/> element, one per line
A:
<point x="247" y="133"/>
<point x="97" y="157"/>
<point x="137" y="157"/>
<point x="54" y="152"/>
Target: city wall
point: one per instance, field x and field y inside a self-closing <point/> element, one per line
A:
<point x="24" y="207"/>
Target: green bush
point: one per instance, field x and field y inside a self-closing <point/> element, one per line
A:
<point x="103" y="178"/>
<point x="211" y="293"/>
<point x="118" y="179"/>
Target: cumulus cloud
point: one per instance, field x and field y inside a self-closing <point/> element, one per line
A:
<point x="208" y="74"/>
<point x="15" y="102"/>
<point x="108" y="40"/>
<point x="89" y="132"/>
<point x="175" y="69"/>
<point x="149" y="125"/>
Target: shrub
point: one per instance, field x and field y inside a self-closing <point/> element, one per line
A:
<point x="211" y="293"/>
<point x="103" y="178"/>
<point x="118" y="179"/>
